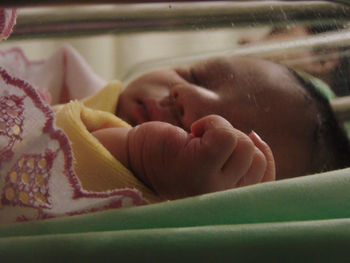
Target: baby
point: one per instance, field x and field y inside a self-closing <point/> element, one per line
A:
<point x="217" y="124"/>
<point x="223" y="123"/>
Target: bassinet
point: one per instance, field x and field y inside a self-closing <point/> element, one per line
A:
<point x="304" y="219"/>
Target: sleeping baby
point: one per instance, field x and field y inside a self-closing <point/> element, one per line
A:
<point x="217" y="124"/>
<point x="223" y="123"/>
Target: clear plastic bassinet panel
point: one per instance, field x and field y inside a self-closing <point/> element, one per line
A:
<point x="116" y="38"/>
<point x="279" y="58"/>
<point x="279" y="69"/>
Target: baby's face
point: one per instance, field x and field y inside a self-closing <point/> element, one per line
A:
<point x="251" y="94"/>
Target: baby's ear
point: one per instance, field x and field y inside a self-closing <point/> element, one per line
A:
<point x="270" y="172"/>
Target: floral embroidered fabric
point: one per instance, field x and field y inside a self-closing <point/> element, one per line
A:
<point x="37" y="179"/>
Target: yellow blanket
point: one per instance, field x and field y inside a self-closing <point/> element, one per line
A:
<point x="96" y="168"/>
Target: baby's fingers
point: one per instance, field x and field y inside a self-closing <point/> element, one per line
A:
<point x="256" y="171"/>
<point x="270" y="172"/>
<point x="262" y="168"/>
<point x="240" y="161"/>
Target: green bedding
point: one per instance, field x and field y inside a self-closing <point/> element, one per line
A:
<point x="304" y="219"/>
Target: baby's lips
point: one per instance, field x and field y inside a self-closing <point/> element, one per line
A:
<point x="140" y="115"/>
<point x="144" y="110"/>
<point x="151" y="109"/>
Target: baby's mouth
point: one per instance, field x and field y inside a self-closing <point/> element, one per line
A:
<point x="140" y="113"/>
<point x="149" y="110"/>
<point x="146" y="110"/>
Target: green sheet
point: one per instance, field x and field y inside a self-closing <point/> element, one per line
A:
<point x="304" y="219"/>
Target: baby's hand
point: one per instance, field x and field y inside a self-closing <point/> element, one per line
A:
<point x="215" y="156"/>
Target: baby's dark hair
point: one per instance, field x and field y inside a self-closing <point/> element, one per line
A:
<point x="331" y="144"/>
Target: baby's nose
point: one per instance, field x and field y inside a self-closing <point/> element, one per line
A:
<point x="190" y="103"/>
<point x="178" y="100"/>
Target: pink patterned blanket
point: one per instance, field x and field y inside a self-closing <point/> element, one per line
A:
<point x="37" y="179"/>
<point x="7" y="22"/>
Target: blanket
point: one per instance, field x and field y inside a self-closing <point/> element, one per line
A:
<point x="305" y="219"/>
<point x="42" y="176"/>
<point x="96" y="169"/>
<point x="7" y="22"/>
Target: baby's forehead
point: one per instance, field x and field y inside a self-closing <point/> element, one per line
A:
<point x="243" y="65"/>
<point x="247" y="72"/>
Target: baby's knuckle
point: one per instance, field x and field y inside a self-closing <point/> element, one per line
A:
<point x="247" y="143"/>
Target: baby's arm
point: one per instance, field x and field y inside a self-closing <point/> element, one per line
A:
<point x="214" y="157"/>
